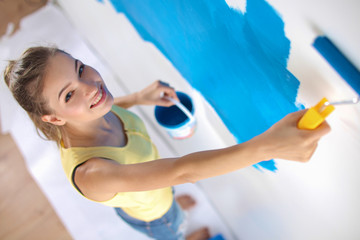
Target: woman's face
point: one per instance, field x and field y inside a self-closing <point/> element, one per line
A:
<point x="75" y="92"/>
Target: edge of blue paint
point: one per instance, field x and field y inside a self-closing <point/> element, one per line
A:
<point x="237" y="61"/>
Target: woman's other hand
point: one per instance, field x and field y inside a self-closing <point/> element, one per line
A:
<point x="156" y="94"/>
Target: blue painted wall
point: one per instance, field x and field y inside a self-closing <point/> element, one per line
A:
<point x="237" y="61"/>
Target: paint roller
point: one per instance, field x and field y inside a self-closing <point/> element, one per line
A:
<point x="317" y="114"/>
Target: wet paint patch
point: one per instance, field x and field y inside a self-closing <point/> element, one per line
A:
<point x="237" y="61"/>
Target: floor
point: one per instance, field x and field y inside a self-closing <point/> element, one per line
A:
<point x="25" y="213"/>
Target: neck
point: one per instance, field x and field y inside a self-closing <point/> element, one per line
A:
<point x="85" y="134"/>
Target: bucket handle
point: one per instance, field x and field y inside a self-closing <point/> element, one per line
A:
<point x="182" y="108"/>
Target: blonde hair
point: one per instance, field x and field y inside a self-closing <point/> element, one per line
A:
<point x="24" y="77"/>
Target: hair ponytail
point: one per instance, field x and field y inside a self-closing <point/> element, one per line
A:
<point x="24" y="77"/>
<point x="8" y="71"/>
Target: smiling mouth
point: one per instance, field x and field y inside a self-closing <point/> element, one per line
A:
<point x="100" y="98"/>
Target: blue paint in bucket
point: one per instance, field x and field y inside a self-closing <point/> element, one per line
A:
<point x="217" y="237"/>
<point x="177" y="124"/>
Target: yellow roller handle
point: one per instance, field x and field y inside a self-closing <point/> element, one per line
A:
<point x="315" y="115"/>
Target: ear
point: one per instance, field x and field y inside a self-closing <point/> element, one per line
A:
<point x="53" y="120"/>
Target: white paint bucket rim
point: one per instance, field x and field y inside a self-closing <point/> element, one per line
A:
<point x="186" y="127"/>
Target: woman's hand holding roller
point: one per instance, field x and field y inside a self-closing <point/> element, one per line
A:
<point x="285" y="140"/>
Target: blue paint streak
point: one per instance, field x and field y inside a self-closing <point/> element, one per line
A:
<point x="338" y="61"/>
<point x="237" y="61"/>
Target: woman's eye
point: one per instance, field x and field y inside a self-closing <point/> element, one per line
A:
<point x="81" y="69"/>
<point x="68" y="96"/>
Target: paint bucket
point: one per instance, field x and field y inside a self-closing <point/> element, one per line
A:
<point x="178" y="120"/>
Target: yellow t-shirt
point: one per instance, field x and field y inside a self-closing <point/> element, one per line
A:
<point x="143" y="205"/>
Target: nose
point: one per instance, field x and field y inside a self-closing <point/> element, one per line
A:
<point x="89" y="88"/>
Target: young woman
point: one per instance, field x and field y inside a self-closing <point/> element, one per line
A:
<point x="106" y="152"/>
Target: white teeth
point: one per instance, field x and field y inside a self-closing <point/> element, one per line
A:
<point x="97" y="99"/>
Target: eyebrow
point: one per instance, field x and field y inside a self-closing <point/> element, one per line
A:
<point x="62" y="90"/>
<point x="67" y="85"/>
<point x="76" y="63"/>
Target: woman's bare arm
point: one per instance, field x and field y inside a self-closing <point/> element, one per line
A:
<point x="283" y="140"/>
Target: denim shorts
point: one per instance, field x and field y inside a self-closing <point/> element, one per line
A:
<point x="171" y="226"/>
